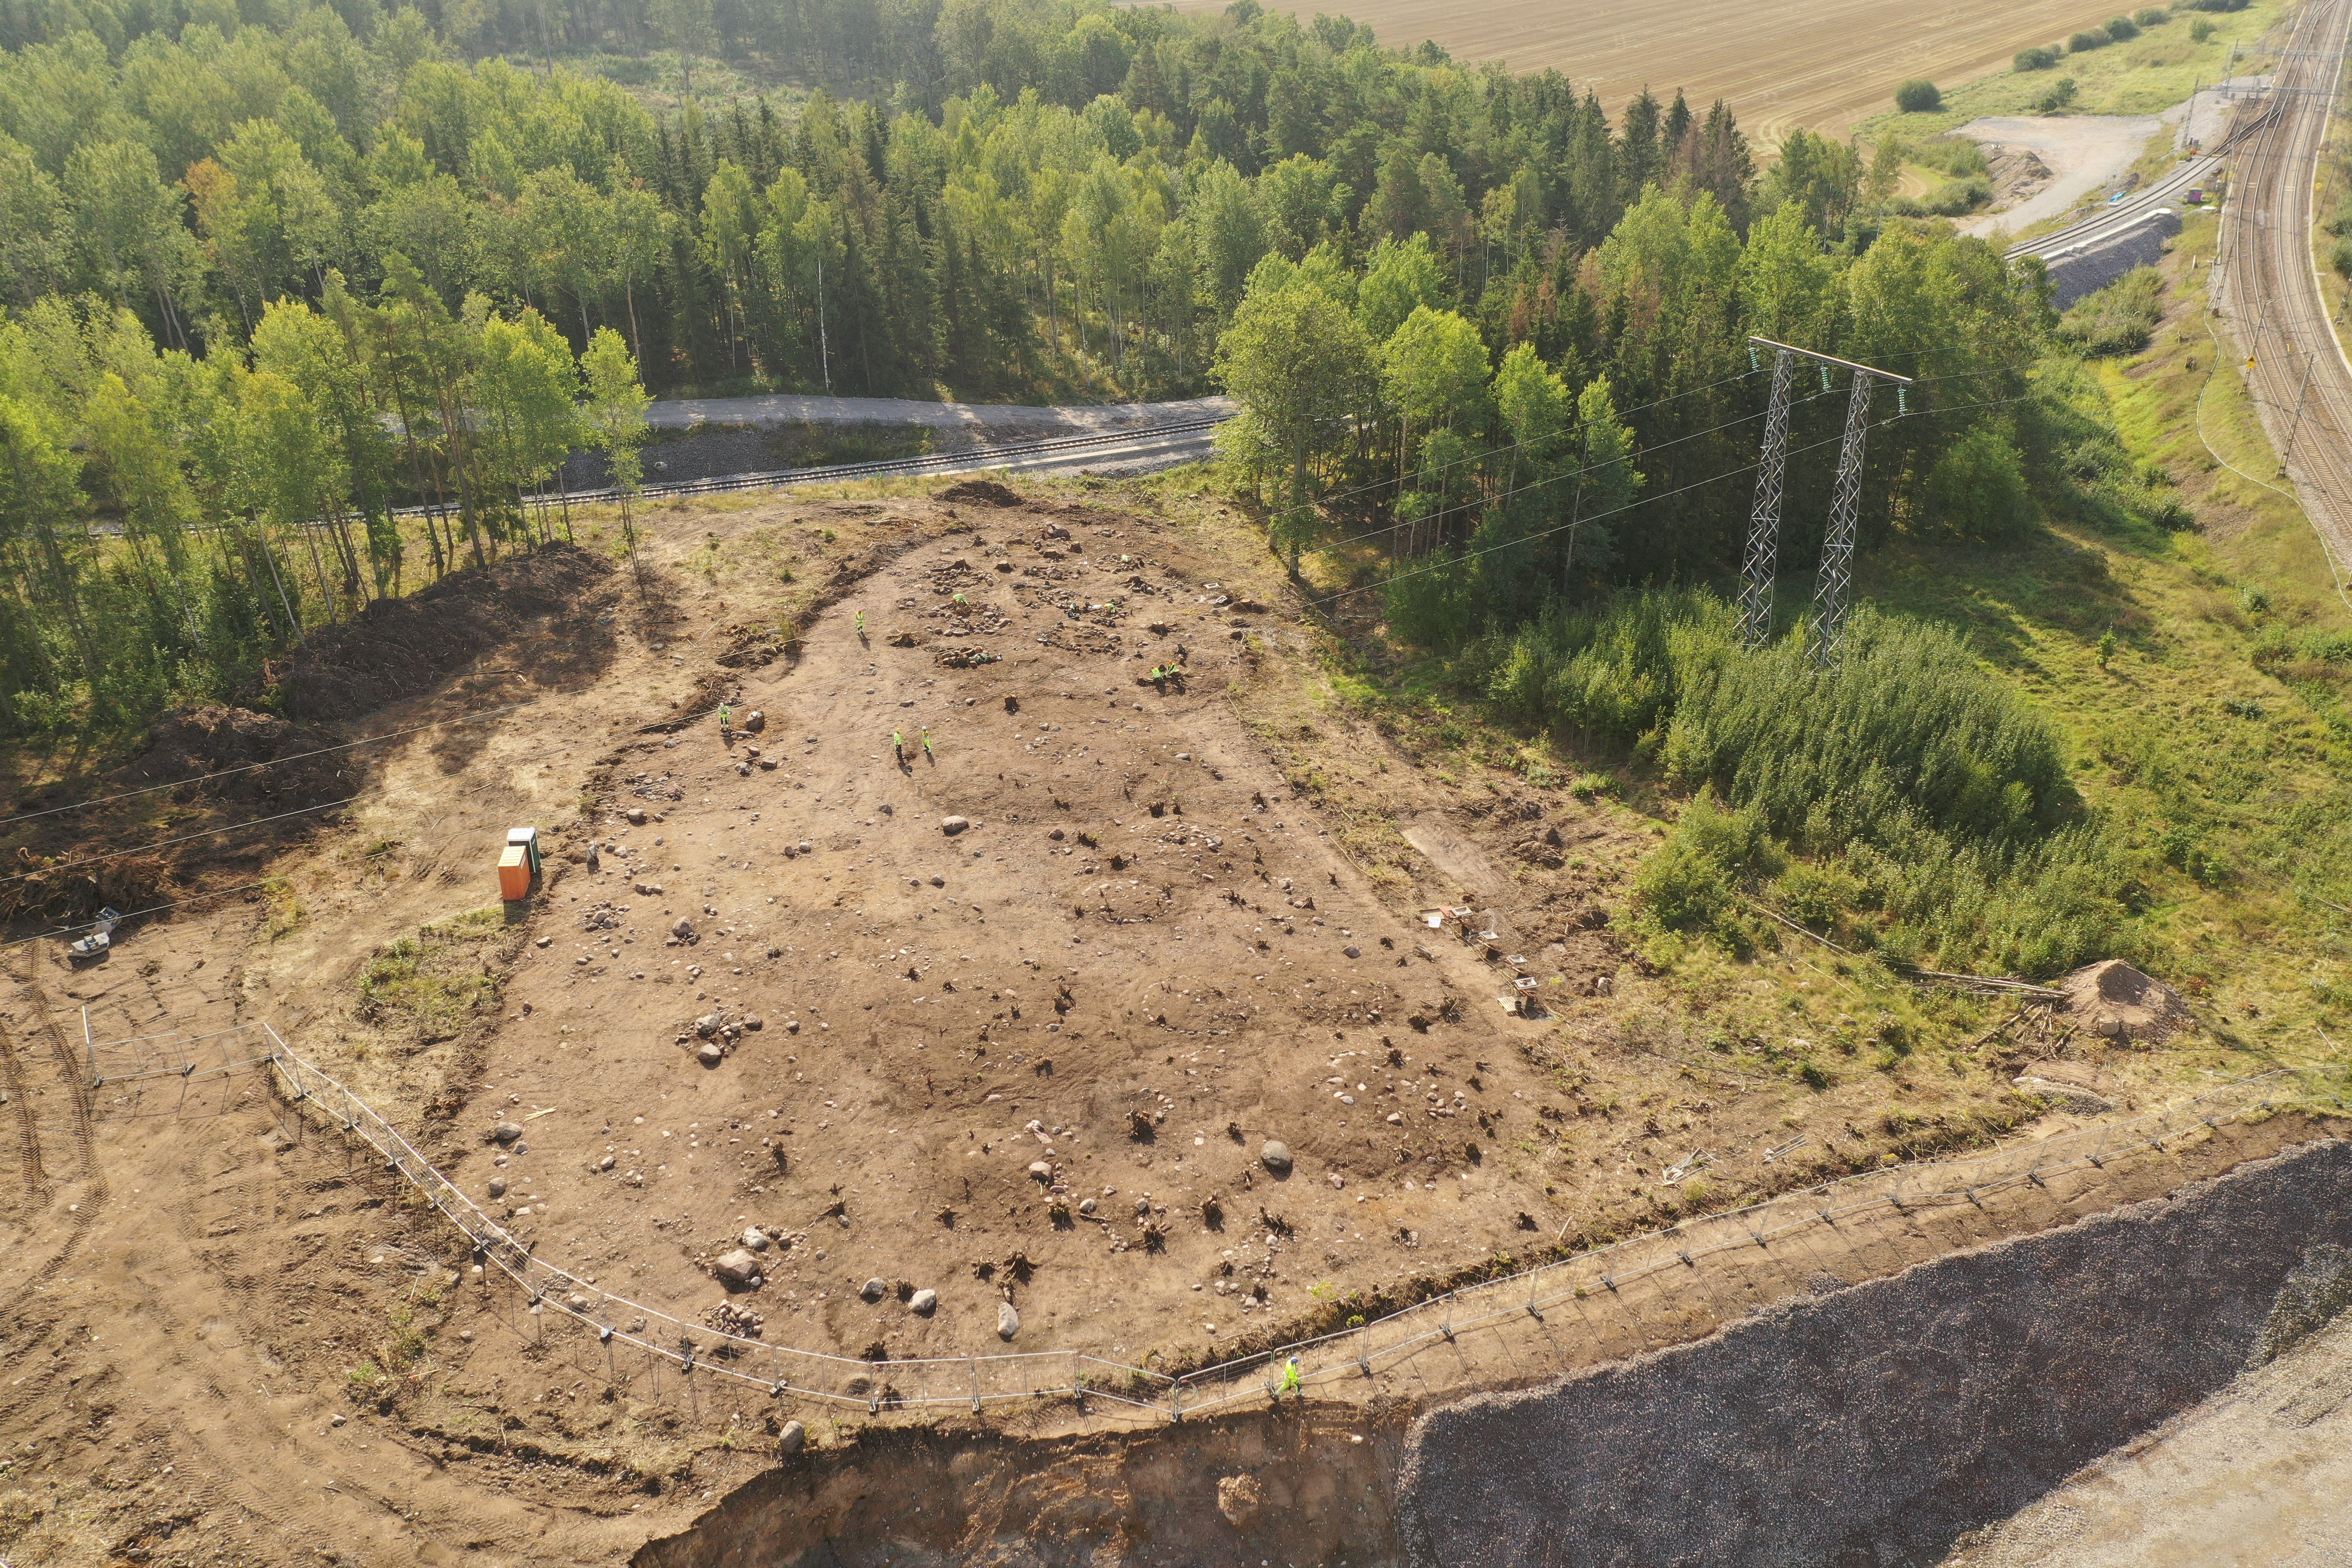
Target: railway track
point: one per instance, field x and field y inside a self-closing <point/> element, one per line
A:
<point x="2266" y="290"/>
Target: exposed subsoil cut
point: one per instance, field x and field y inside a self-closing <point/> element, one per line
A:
<point x="1871" y="1427"/>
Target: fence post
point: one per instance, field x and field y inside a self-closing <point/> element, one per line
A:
<point x="975" y="1386"/>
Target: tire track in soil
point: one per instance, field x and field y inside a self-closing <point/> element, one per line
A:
<point x="93" y="1194"/>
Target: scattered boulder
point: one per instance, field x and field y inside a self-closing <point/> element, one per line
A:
<point x="710" y="1053"/>
<point x="951" y="826"/>
<point x="1353" y="951"/>
<point x="634" y="817"/>
<point x="506" y="1132"/>
<point x="805" y="846"/>
<point x="794" y="1439"/>
<point x="905" y="639"/>
<point x="1276" y="1157"/>
<point x="756" y="1239"/>
<point x="1087" y="1206"/>
<point x="1041" y="1170"/>
<point x="1008" y="1321"/>
<point x="707" y="1025"/>
<point x="606" y="1163"/>
<point x="755" y="1023"/>
<point x="754" y="722"/>
<point x="1239" y="1498"/>
<point x="875" y="1289"/>
<point x="738" y="1270"/>
<point x="923" y="1304"/>
<point x="497" y="1188"/>
<point x="683" y="929"/>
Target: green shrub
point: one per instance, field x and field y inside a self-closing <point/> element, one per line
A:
<point x="1816" y="895"/>
<point x="2084" y="42"/>
<point x="1918" y="96"/>
<point x="2151" y="15"/>
<point x="2039" y="58"/>
<point x="2060" y="94"/>
<point x="2122" y="29"/>
<point x="1953" y="197"/>
<point x="1976" y="489"/>
<point x="1947" y="798"/>
<point x="2201" y="31"/>
<point x="2119" y="318"/>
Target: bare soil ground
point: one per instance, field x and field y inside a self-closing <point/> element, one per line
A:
<point x="1781" y="68"/>
<point x="1182" y="919"/>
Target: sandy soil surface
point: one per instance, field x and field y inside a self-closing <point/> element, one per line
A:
<point x="1780" y="67"/>
<point x="2082" y="152"/>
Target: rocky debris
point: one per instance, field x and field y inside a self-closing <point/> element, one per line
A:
<point x="755" y="1023"/>
<point x="754" y="722"/>
<point x="1041" y="1170"/>
<point x="2117" y="1002"/>
<point x="2067" y="1096"/>
<point x="951" y="826"/>
<point x="710" y="1053"/>
<point x="634" y="816"/>
<point x="1238" y="1498"/>
<point x="1276" y="1157"/>
<point x="683" y="929"/>
<point x="905" y="639"/>
<point x="575" y="1302"/>
<point x="595" y="857"/>
<point x="602" y="917"/>
<point x="505" y="1132"/>
<point x="874" y="1288"/>
<point x="708" y="1025"/>
<point x="729" y="1319"/>
<point x="498" y="1187"/>
<point x="923" y="1304"/>
<point x="738" y="1270"/>
<point x="756" y="1239"/>
<point x="792" y="1438"/>
<point x="1008" y="1321"/>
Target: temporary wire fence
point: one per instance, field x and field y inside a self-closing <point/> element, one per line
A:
<point x="610" y="1335"/>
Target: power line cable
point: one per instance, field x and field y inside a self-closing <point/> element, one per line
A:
<point x="1696" y="484"/>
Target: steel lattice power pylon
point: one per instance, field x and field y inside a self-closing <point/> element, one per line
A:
<point x="1764" y="523"/>
<point x="1832" y="589"/>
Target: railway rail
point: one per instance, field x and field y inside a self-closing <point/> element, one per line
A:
<point x="2266" y="289"/>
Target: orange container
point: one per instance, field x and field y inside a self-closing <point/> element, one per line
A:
<point x="514" y="873"/>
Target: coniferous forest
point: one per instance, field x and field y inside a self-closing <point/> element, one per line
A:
<point x="269" y="265"/>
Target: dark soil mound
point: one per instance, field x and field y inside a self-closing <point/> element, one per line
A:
<point x="981" y="492"/>
<point x="235" y="757"/>
<point x="399" y="647"/>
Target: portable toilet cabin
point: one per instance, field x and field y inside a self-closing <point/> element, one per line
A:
<point x="519" y="863"/>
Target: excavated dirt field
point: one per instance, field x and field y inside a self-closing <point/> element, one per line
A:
<point x="896" y="1046"/>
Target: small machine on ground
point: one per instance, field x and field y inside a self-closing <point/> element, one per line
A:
<point x="94" y="943"/>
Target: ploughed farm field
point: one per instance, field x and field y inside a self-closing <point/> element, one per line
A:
<point x="1821" y="64"/>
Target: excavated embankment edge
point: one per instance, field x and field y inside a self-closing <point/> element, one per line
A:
<point x="1868" y="1427"/>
